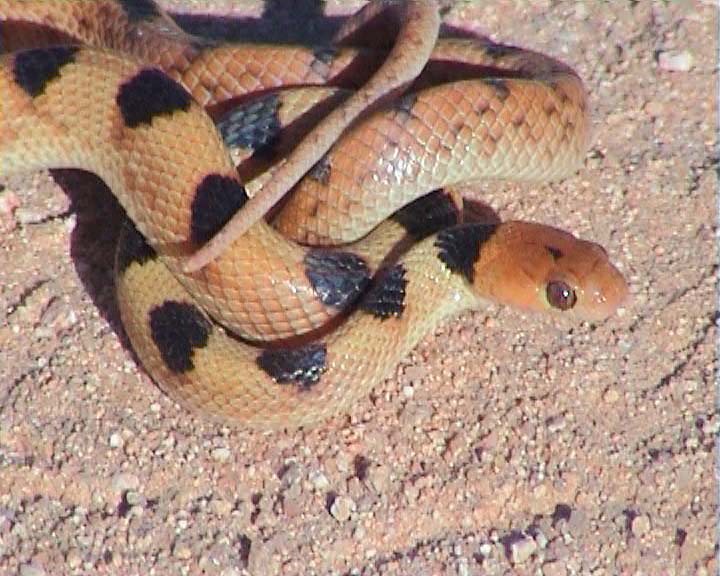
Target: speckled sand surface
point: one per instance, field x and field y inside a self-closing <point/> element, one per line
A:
<point x="505" y="444"/>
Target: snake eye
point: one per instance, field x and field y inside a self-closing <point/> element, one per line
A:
<point x="560" y="295"/>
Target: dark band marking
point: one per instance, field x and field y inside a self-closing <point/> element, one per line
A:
<point x="386" y="297"/>
<point x="321" y="171"/>
<point x="556" y="253"/>
<point x="148" y="94"/>
<point x="133" y="248"/>
<point x="459" y="247"/>
<point x="139" y="10"/>
<point x="303" y="365"/>
<point x="253" y="126"/>
<point x="177" y="329"/>
<point x="428" y="214"/>
<point x="322" y="61"/>
<point x="338" y="278"/>
<point x="35" y="69"/>
<point x="404" y="106"/>
<point x="216" y="200"/>
<point x="500" y="87"/>
<point x="325" y="54"/>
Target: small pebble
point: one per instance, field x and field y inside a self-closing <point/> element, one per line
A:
<point x="378" y="476"/>
<point x="522" y="549"/>
<point x="182" y="552"/>
<point x="220" y="507"/>
<point x="32" y="570"/>
<point x="220" y="454"/>
<point x="342" y="508"/>
<point x="611" y="396"/>
<point x="292" y="474"/>
<point x="554" y="569"/>
<point x="134" y="498"/>
<point x="675" y="60"/>
<point x="416" y="374"/>
<point x="640" y="525"/>
<point x="319" y="481"/>
<point x="30" y="215"/>
<point x="556" y="423"/>
<point x="485" y="549"/>
<point x="343" y="463"/>
<point x="136" y="511"/>
<point x="654" y="109"/>
<point x="541" y="540"/>
<point x="124" y="481"/>
<point x="116" y="440"/>
<point x="73" y="558"/>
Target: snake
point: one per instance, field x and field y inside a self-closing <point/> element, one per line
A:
<point x="286" y="325"/>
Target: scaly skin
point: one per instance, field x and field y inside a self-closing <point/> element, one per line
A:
<point x="162" y="157"/>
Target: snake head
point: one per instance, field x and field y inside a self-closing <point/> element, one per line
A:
<point x="541" y="268"/>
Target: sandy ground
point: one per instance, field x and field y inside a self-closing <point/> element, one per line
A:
<point x="504" y="444"/>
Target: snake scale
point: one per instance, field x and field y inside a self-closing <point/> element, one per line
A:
<point x="282" y="324"/>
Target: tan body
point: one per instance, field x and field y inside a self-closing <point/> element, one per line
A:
<point x="85" y="116"/>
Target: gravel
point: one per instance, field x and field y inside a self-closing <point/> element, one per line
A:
<point x="505" y="443"/>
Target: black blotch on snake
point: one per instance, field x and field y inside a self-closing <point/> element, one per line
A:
<point x="338" y="278"/>
<point x="386" y="296"/>
<point x="302" y="365"/>
<point x="428" y="214"/>
<point x="321" y="171"/>
<point x="254" y="125"/>
<point x="35" y="69"/>
<point x="149" y="94"/>
<point x="459" y="247"/>
<point x="323" y="57"/>
<point x="132" y="248"/>
<point x="216" y="200"/>
<point x="177" y="329"/>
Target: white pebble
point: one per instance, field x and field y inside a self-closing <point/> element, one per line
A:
<point x="32" y="570"/>
<point x="675" y="60"/>
<point x="640" y="525"/>
<point x="342" y="508"/>
<point x="319" y="481"/>
<point x="124" y="481"/>
<point x="521" y="550"/>
<point x="116" y="440"/>
<point x="221" y="454"/>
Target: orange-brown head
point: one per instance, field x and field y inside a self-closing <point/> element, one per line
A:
<point x="537" y="267"/>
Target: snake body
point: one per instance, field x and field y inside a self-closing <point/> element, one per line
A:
<point x="141" y="129"/>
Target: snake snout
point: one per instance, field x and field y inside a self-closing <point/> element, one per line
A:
<point x="605" y="290"/>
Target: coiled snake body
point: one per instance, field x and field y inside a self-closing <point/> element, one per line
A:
<point x="129" y="107"/>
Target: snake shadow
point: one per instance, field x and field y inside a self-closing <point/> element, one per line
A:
<point x="99" y="217"/>
<point x="283" y="22"/>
